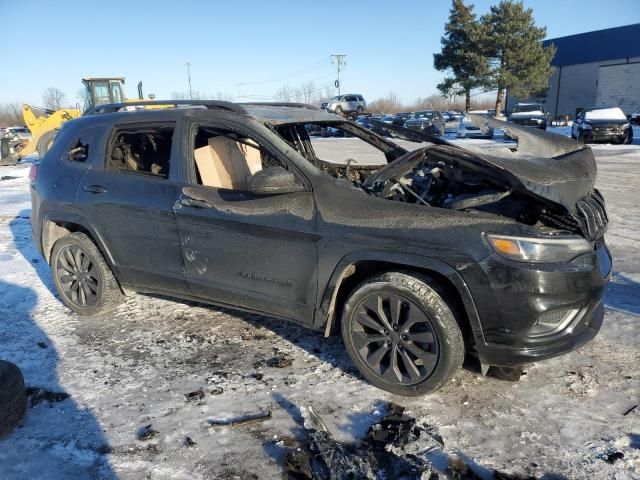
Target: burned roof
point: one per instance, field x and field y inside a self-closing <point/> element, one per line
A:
<point x="274" y="113"/>
<point x="280" y="114"/>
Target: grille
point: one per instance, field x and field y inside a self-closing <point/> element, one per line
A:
<point x="592" y="215"/>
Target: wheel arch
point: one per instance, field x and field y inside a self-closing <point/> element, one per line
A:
<point x="355" y="268"/>
<point x="55" y="225"/>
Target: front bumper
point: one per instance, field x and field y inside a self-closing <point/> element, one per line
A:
<point x="528" y="122"/>
<point x="531" y="312"/>
<point x="605" y="134"/>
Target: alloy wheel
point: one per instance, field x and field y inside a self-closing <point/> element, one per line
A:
<point x="77" y="276"/>
<point x="395" y="338"/>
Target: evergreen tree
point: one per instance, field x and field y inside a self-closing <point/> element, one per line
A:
<point x="513" y="43"/>
<point x="460" y="53"/>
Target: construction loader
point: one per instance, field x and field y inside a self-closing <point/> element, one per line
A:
<point x="44" y="123"/>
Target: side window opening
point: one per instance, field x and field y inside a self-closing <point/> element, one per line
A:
<point x="81" y="148"/>
<point x="226" y="159"/>
<point x="79" y="152"/>
<point x="142" y="149"/>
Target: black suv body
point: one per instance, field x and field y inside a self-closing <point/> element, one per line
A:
<point x="438" y="254"/>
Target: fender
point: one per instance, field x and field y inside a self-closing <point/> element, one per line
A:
<point x="346" y="267"/>
<point x="69" y="217"/>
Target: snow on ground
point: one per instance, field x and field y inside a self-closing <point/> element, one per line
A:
<point x="132" y="369"/>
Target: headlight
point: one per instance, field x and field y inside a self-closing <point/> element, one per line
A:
<point x="542" y="250"/>
<point x="586" y="126"/>
<point x="626" y="125"/>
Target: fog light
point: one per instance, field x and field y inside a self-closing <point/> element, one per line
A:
<point x="553" y="320"/>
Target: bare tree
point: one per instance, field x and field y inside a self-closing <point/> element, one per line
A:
<point x="284" y="94"/>
<point x="195" y="95"/>
<point x="11" y="114"/>
<point x="53" y="98"/>
<point x="308" y="89"/>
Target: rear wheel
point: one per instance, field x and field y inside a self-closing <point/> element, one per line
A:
<point x="45" y="142"/>
<point x="82" y="277"/>
<point x="402" y="335"/>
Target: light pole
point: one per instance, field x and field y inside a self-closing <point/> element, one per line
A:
<point x="188" y="64"/>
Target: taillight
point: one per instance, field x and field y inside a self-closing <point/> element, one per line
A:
<point x="33" y="173"/>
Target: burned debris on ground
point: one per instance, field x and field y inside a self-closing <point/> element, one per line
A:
<point x="397" y="447"/>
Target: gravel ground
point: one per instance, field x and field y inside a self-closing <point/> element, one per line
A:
<point x="130" y="376"/>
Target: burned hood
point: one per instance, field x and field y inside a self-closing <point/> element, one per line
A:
<point x="547" y="165"/>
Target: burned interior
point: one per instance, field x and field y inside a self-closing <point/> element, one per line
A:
<point x="144" y="149"/>
<point x="539" y="181"/>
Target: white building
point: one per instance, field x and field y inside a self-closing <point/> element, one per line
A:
<point x="593" y="69"/>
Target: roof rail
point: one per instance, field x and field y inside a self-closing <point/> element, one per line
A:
<point x="209" y="104"/>
<point x="280" y="104"/>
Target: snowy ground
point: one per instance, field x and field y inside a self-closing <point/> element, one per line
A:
<point x="133" y="369"/>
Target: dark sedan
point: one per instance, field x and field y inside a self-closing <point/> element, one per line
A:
<point x="602" y="125"/>
<point x="427" y="121"/>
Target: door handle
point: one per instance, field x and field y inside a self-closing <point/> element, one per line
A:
<point x="193" y="203"/>
<point x="94" y="189"/>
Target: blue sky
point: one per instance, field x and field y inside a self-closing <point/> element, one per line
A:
<point x="247" y="48"/>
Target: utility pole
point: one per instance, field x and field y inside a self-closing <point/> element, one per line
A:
<point x="338" y="59"/>
<point x="188" y="64"/>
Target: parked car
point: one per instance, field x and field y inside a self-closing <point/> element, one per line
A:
<point x="607" y="124"/>
<point x="22" y="133"/>
<point x="529" y="114"/>
<point x="428" y="121"/>
<point x="441" y="253"/>
<point x="468" y="129"/>
<point x="405" y="115"/>
<point x="350" y="103"/>
<point x="366" y="122"/>
<point x="455" y="116"/>
<point x="313" y="130"/>
<point x="635" y="117"/>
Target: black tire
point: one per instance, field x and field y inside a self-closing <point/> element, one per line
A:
<point x="430" y="349"/>
<point x="581" y="138"/>
<point x="45" y="142"/>
<point x="359" y="110"/>
<point x="13" y="397"/>
<point x="80" y="272"/>
<point x="629" y="138"/>
<point x="338" y="110"/>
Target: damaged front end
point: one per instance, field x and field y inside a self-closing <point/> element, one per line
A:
<point x="544" y="180"/>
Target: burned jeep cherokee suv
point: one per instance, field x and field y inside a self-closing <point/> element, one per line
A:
<point x="419" y="258"/>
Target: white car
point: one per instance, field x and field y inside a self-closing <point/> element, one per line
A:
<point x="15" y="133"/>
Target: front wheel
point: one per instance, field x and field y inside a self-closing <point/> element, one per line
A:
<point x="82" y="277"/>
<point x="402" y="334"/>
<point x="629" y="138"/>
<point x="338" y="110"/>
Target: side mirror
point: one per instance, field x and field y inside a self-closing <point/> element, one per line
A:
<point x="274" y="180"/>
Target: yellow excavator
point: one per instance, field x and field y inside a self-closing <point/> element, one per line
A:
<point x="44" y="124"/>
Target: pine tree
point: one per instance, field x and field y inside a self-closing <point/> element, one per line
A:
<point x="513" y="43"/>
<point x="460" y="53"/>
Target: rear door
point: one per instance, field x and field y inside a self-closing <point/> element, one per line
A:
<point x="130" y="200"/>
<point x="253" y="251"/>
